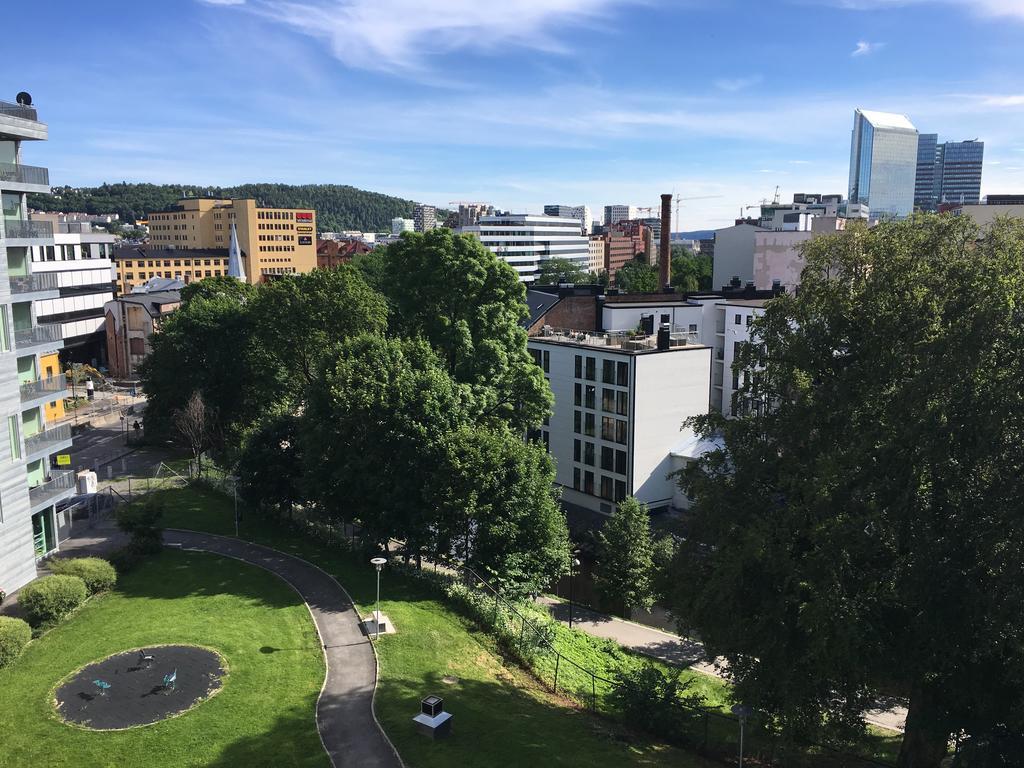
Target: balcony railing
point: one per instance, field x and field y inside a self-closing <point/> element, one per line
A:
<point x="47" y="438"/>
<point x="38" y="334"/>
<point x="18" y="110"/>
<point x="18" y="228"/>
<point x="49" y="386"/>
<point x="58" y="483"/>
<point x="40" y="281"/>
<point x="24" y="174"/>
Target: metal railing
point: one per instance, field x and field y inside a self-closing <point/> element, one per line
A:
<point x="47" y="438"/>
<point x="24" y="174"/>
<point x="52" y="385"/>
<point x="39" y="281"/>
<point x="18" y="110"/>
<point x="58" y="483"/>
<point x="38" y="334"/>
<point x="14" y="228"/>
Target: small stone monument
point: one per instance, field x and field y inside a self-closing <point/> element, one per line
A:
<point x="432" y="720"/>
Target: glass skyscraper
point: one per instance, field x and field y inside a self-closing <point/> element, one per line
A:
<point x="883" y="163"/>
<point x="948" y="173"/>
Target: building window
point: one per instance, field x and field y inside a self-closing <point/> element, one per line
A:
<point x="588" y="483"/>
<point x="608" y="371"/>
<point x="14" y="434"/>
<point x="591" y="369"/>
<point x="588" y="454"/>
<point x="750" y="320"/>
<point x="591" y="394"/>
<point x="579" y="367"/>
<point x="5" y="330"/>
<point x="666" y="319"/>
<point x="608" y="400"/>
<point x="622" y="403"/>
<point x="577" y="419"/>
<point x="620" y="462"/>
<point x="620" y="490"/>
<point x="578" y="393"/>
<point x="622" y="375"/>
<point x="620" y="431"/>
<point x="737" y="319"/>
<point x="607" y="458"/>
<point x="693" y="327"/>
<point x="607" y="428"/>
<point x="576" y="450"/>
<point x="576" y="478"/>
<point x="546" y="437"/>
<point x="607" y="488"/>
<point x="588" y="423"/>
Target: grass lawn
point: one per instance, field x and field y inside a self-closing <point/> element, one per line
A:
<point x="264" y="716"/>
<point x="502" y="715"/>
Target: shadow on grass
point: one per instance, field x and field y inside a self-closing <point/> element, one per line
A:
<point x="280" y="745"/>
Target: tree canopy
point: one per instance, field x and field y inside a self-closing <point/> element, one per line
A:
<point x="861" y="529"/>
<point x="636" y="277"/>
<point x="558" y="271"/>
<point x="625" y="562"/>
<point x="690" y="272"/>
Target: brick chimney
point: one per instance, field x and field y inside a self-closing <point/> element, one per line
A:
<point x="665" y="252"/>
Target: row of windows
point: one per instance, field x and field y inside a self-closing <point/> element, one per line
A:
<point x="277" y="238"/>
<point x="542" y="359"/>
<point x="611" y="489"/>
<point x="612" y="401"/>
<point x="612" y="372"/>
<point x="277" y="248"/>
<point x="188" y="273"/>
<point x="277" y="271"/>
<point x="167" y="262"/>
<point x="275" y="215"/>
<point x="612" y="430"/>
<point x="275" y="226"/>
<point x="612" y="459"/>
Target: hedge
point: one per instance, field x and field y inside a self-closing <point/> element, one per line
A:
<point x="51" y="598"/>
<point x="14" y="636"/>
<point x="97" y="573"/>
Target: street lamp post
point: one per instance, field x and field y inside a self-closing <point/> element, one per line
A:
<point x="124" y="431"/>
<point x="234" y="492"/>
<point x="574" y="563"/>
<point x="742" y="712"/>
<point x="378" y="563"/>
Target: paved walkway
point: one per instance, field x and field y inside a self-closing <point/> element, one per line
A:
<point x="684" y="652"/>
<point x="348" y="727"/>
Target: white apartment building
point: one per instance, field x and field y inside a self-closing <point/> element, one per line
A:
<point x="596" y="249"/>
<point x="524" y="241"/>
<point x="581" y="212"/>
<point x="31" y="486"/>
<point x="613" y="214"/>
<point x="80" y="261"/>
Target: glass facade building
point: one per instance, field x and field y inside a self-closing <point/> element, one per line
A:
<point x="948" y="172"/>
<point x="883" y="163"/>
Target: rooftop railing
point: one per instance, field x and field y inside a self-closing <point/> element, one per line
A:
<point x="18" y="110"/>
<point x="19" y="228"/>
<point x="627" y="340"/>
<point x="38" y="334"/>
<point x="46" y="438"/>
<point x="58" y="483"/>
<point x="40" y="281"/>
<point x="48" y="386"/>
<point x="24" y="174"/>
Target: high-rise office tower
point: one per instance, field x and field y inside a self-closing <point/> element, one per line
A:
<point x="613" y="214"/>
<point x="31" y="485"/>
<point x="883" y="163"/>
<point x="581" y="212"/>
<point x="949" y="172"/>
<point x="424" y="217"/>
<point x="927" y="181"/>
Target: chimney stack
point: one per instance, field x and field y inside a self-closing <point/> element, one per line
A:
<point x="665" y="251"/>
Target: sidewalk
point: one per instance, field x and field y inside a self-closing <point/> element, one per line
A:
<point x="681" y="651"/>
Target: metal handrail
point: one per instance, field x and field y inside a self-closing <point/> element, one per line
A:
<point x="13" y="228"/>
<point x="39" y="281"/>
<point x="38" y="334"/>
<point x="18" y="110"/>
<point x="59" y="482"/>
<point x="24" y="174"/>
<point x="40" y="440"/>
<point x="50" y="385"/>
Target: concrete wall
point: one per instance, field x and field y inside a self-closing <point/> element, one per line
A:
<point x="734" y="255"/>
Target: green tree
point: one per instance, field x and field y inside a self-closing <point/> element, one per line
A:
<point x="497" y="511"/>
<point x="469" y="305"/>
<point x="557" y="271"/>
<point x="636" y="277"/>
<point x="625" y="561"/>
<point x="271" y="464"/>
<point x="690" y="272"/>
<point x="865" y="529"/>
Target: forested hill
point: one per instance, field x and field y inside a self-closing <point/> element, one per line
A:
<point x="338" y="206"/>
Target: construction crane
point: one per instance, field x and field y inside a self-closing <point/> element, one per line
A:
<point x="679" y="201"/>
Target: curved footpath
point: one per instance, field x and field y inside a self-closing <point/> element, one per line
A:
<point x="344" y="712"/>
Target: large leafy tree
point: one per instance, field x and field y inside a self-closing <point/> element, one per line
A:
<point x="469" y="305"/>
<point x="497" y="511"/>
<point x="636" y="276"/>
<point x="690" y="272"/>
<point x="271" y="464"/>
<point x="862" y="527"/>
<point x="557" y="271"/>
<point x="625" y="558"/>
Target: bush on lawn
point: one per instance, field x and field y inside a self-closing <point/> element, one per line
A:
<point x="14" y="636"/>
<point x="51" y="598"/>
<point x="97" y="573"/>
<point x="141" y="520"/>
<point x="656" y="702"/>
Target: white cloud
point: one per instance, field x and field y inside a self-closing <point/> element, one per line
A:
<point x="401" y="35"/>
<point x="1012" y="100"/>
<point x="1011" y="8"/>
<point x="737" y="83"/>
<point x="864" y="48"/>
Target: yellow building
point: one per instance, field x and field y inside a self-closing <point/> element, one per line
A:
<point x="50" y="366"/>
<point x="273" y="241"/>
<point x="138" y="264"/>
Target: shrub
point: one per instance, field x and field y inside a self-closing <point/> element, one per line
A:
<point x="656" y="702"/>
<point x="98" y="574"/>
<point x="14" y="636"/>
<point x="141" y="520"/>
<point x="51" y="598"/>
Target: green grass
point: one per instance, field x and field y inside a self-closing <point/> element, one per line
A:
<point x="264" y="716"/>
<point x="502" y="715"/>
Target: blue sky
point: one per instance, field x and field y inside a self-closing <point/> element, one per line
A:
<point x="519" y="103"/>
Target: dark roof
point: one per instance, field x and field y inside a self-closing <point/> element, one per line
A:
<point x="141" y="252"/>
<point x="152" y="302"/>
<point x="539" y="302"/>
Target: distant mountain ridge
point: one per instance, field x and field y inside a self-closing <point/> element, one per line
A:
<point x="338" y="206"/>
<point x="696" y="234"/>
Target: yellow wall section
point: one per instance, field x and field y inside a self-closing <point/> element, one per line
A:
<point x="49" y="365"/>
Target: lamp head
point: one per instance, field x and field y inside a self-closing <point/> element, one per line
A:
<point x="378" y="562"/>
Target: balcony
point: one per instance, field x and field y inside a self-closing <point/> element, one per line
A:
<point x="40" y="281"/>
<point x="47" y="440"/>
<point x="12" y="175"/>
<point x="38" y="335"/>
<point x="19" y="229"/>
<point x="48" y="388"/>
<point x="18" y="110"/>
<point x="58" y="484"/>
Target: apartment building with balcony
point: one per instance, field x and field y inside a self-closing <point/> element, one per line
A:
<point x="525" y="241"/>
<point x="30" y="485"/>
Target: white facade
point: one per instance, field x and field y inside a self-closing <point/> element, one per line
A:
<point x="595" y="246"/>
<point x="883" y="163"/>
<point x="618" y="409"/>
<point x="524" y="241"/>
<point x="400" y="225"/>
<point x="613" y="214"/>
